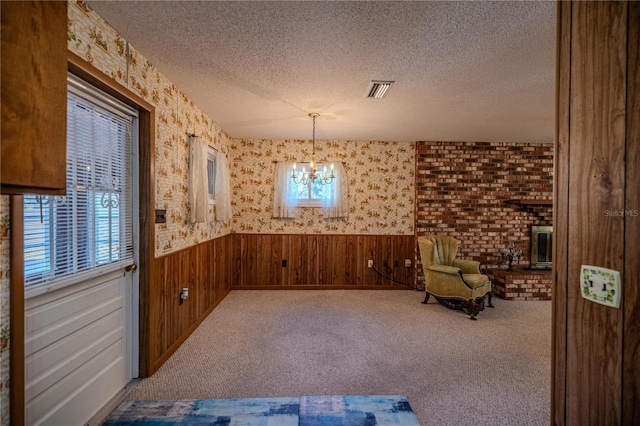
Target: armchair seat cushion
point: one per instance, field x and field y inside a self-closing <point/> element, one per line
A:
<point x="475" y="280"/>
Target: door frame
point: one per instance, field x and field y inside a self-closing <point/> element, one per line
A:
<point x="146" y="200"/>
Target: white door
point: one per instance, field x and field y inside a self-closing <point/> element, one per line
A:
<point x="79" y="316"/>
<point x="77" y="349"/>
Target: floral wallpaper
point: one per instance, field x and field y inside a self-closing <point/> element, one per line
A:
<point x="381" y="173"/>
<point x="4" y="309"/>
<point x="90" y="37"/>
<point x="381" y="186"/>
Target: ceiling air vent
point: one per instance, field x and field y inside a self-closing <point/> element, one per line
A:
<point x="377" y="89"/>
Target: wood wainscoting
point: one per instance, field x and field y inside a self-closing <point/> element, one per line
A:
<point x="255" y="261"/>
<point x="293" y="261"/>
<point x="206" y="270"/>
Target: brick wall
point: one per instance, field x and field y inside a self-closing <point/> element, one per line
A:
<point x="463" y="190"/>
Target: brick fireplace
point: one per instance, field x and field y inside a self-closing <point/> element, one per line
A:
<point x="487" y="195"/>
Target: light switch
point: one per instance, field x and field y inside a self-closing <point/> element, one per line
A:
<point x="601" y="285"/>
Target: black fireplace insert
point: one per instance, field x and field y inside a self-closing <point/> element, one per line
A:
<point x="541" y="247"/>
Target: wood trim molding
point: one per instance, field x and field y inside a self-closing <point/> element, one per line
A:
<point x="16" y="313"/>
<point x="560" y="214"/>
<point x="97" y="78"/>
<point x="147" y="268"/>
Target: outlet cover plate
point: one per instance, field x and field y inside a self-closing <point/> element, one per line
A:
<point x="161" y="216"/>
<point x="601" y="285"/>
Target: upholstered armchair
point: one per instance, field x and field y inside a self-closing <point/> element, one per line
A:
<point x="455" y="283"/>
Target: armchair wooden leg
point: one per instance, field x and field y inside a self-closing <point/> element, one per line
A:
<point x="426" y="298"/>
<point x="471" y="305"/>
<point x="490" y="294"/>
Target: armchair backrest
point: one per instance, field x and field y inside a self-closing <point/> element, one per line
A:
<point x="438" y="249"/>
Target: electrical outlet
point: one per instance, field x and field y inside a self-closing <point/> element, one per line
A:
<point x="407" y="263"/>
<point x="184" y="294"/>
<point x="601" y="285"/>
<point x="370" y="263"/>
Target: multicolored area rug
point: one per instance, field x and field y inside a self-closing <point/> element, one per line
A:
<point x="343" y="410"/>
<point x="350" y="410"/>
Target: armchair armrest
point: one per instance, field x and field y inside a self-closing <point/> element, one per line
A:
<point x="467" y="266"/>
<point x="444" y="268"/>
<point x="451" y="271"/>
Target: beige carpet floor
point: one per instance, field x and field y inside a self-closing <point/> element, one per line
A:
<point x="454" y="371"/>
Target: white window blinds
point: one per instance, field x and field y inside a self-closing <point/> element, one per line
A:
<point x="89" y="231"/>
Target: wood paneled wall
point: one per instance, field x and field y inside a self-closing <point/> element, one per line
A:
<point x="255" y="261"/>
<point x="319" y="261"/>
<point x="206" y="270"/>
<point x="596" y="368"/>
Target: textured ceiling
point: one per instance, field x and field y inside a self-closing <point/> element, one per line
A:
<point x="464" y="71"/>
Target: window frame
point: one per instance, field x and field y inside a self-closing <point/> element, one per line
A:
<point x="212" y="156"/>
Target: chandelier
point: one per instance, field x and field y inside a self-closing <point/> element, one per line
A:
<point x="313" y="172"/>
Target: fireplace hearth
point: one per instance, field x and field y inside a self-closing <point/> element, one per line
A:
<point x="521" y="284"/>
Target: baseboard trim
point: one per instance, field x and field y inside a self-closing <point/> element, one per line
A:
<point x="319" y="287"/>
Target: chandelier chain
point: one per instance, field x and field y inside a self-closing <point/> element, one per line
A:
<point x="314" y="134"/>
<point x="313" y="173"/>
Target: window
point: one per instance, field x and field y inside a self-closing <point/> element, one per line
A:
<point x="333" y="198"/>
<point x="311" y="194"/>
<point x="88" y="231"/>
<point x="211" y="174"/>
